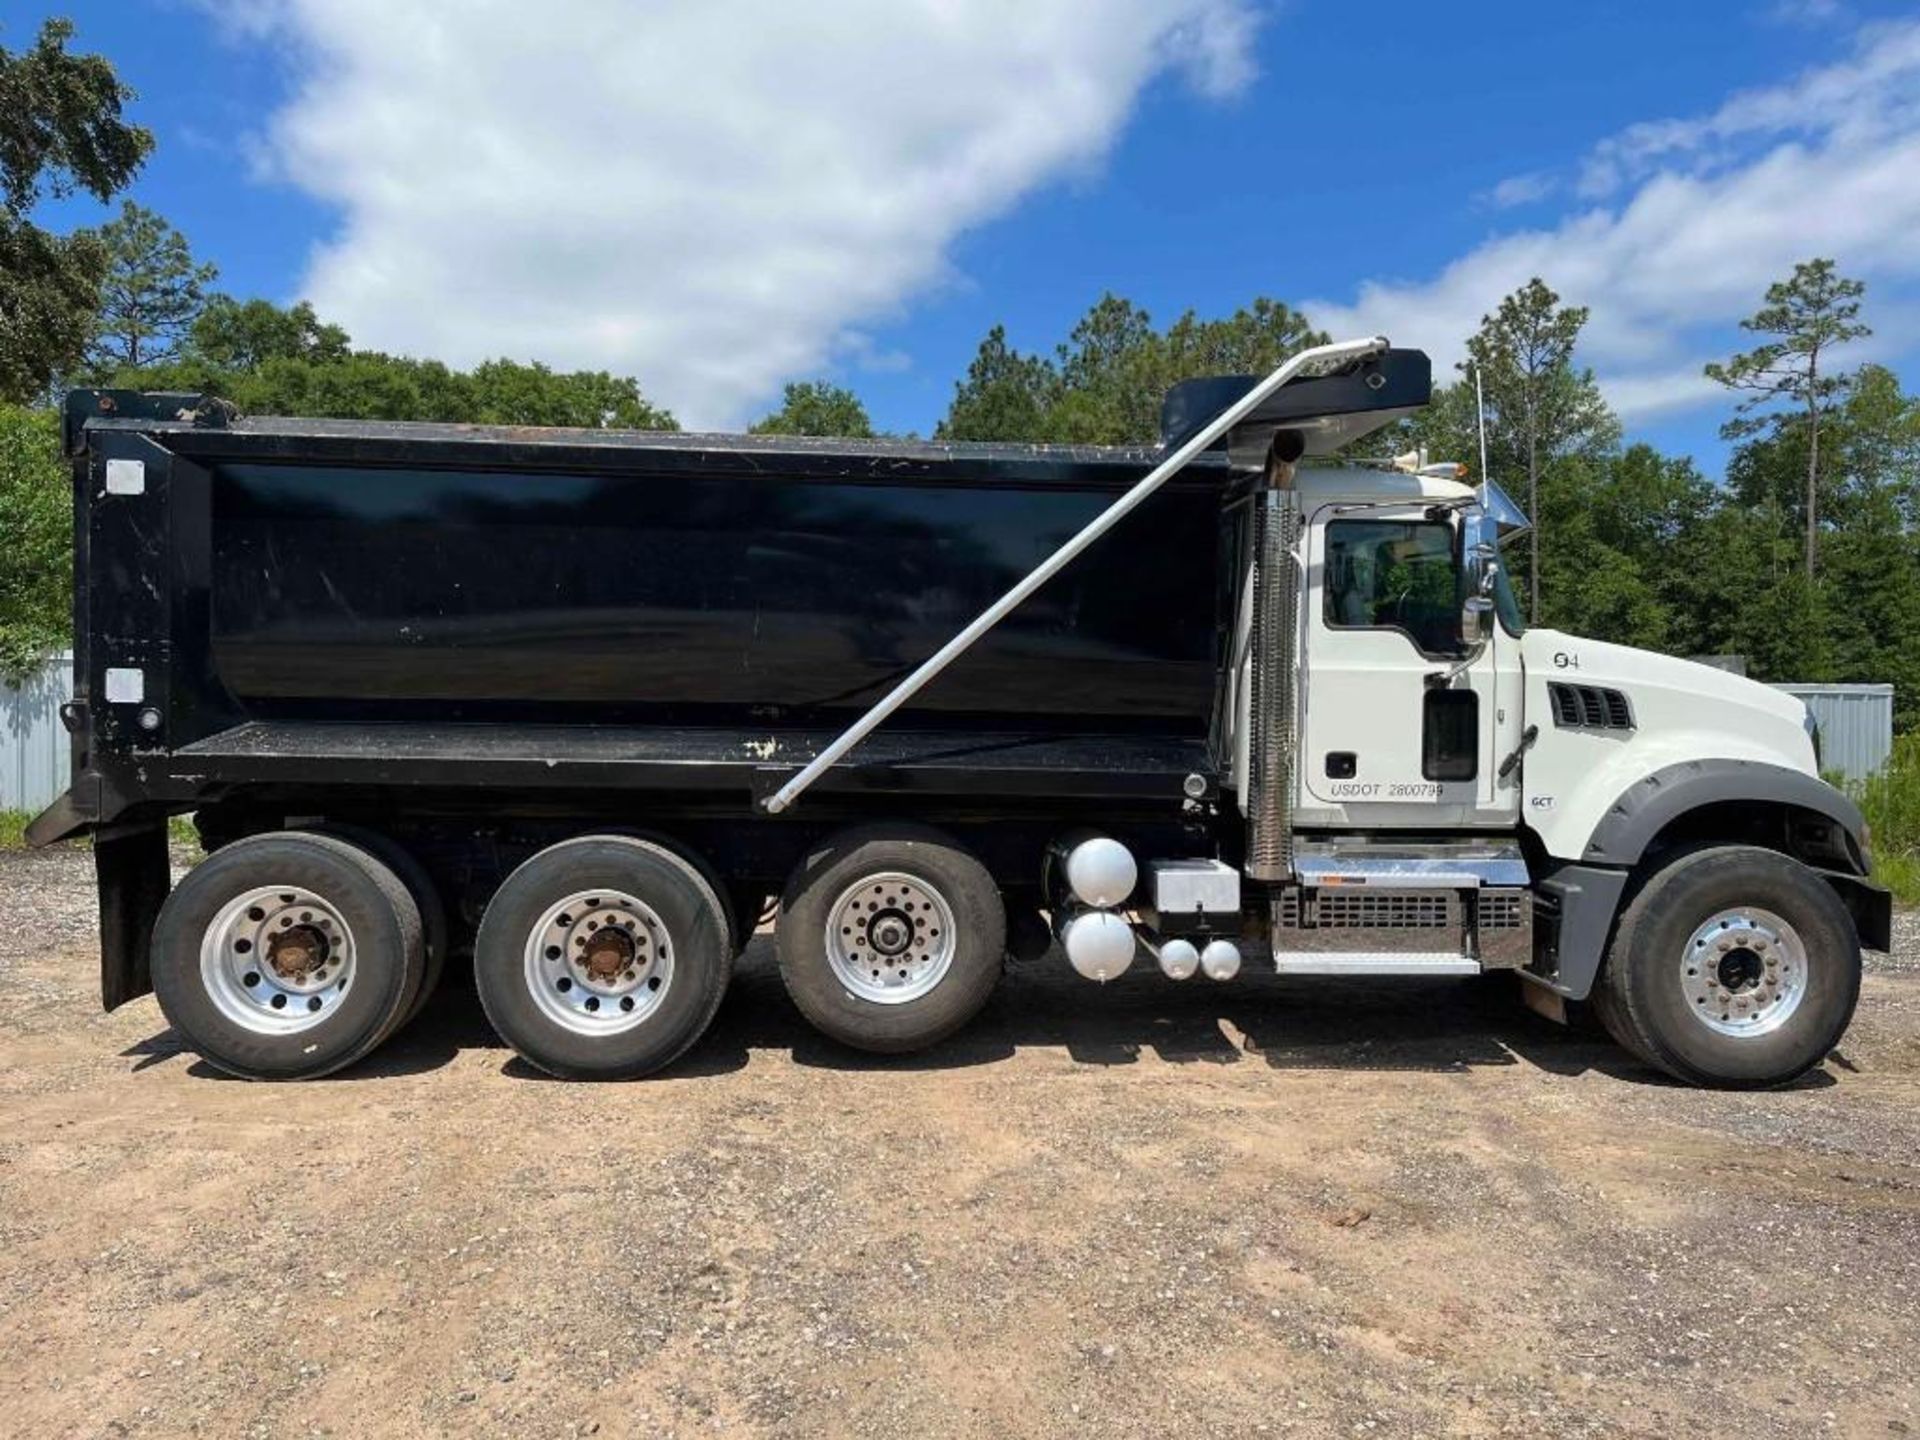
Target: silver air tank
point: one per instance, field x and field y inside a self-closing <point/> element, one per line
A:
<point x="1096" y="870"/>
<point x="1276" y="618"/>
<point x="1178" y="959"/>
<point x="1220" y="960"/>
<point x="1099" y="943"/>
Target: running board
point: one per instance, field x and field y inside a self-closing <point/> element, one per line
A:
<point x="1308" y="962"/>
<point x="1404" y="910"/>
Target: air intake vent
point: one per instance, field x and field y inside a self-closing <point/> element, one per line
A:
<point x="1589" y="707"/>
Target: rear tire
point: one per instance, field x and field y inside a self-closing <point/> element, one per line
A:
<point x="1733" y="967"/>
<point x="426" y="895"/>
<point x="603" y="958"/>
<point x="287" y="956"/>
<point x="891" y="937"/>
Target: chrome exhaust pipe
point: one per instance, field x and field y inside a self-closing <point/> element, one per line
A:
<point x="1273" y="699"/>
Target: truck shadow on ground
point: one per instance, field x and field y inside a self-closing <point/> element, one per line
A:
<point x="1433" y="1026"/>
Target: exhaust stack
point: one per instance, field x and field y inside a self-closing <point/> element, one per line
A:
<point x="1276" y="625"/>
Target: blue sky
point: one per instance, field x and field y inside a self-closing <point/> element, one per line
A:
<point x="716" y="196"/>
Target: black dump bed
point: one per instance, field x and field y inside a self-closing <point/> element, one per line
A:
<point x="307" y="602"/>
<point x="266" y="602"/>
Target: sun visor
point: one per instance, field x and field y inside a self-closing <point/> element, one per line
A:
<point x="1329" y="411"/>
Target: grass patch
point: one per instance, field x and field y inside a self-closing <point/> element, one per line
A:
<point x="13" y="831"/>
<point x="1891" y="803"/>
<point x="1900" y="873"/>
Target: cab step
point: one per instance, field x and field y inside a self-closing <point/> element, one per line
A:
<point x="1371" y="909"/>
<point x="1375" y="962"/>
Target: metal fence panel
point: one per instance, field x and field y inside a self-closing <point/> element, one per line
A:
<point x="34" y="754"/>
<point x="1856" y="725"/>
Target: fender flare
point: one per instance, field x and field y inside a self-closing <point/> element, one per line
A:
<point x="1653" y="802"/>
<point x="1588" y="895"/>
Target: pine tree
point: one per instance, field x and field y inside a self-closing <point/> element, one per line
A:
<point x="152" y="292"/>
<point x="1541" y="408"/>
<point x="1811" y="313"/>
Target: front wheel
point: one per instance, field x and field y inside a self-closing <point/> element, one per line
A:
<point x="1734" y="967"/>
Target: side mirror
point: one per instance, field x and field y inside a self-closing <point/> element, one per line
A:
<point x="1476" y="611"/>
<point x="1483" y="565"/>
<point x="1476" y="621"/>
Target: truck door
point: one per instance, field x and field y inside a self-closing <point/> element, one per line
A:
<point x="1385" y="746"/>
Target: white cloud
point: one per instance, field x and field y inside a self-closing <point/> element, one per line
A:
<point x="713" y="195"/>
<point x="1805" y="12"/>
<point x="1517" y="190"/>
<point x="1872" y="94"/>
<point x="1710" y="210"/>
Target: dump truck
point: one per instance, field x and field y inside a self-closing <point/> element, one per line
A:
<point x="581" y="710"/>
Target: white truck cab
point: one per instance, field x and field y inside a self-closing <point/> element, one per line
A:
<point x="1431" y="787"/>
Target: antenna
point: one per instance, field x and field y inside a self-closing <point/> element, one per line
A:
<point x="1480" y="414"/>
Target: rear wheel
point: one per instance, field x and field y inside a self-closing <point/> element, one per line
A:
<point x="1733" y="966"/>
<point x="603" y="958"/>
<point x="891" y="937"/>
<point x="287" y="956"/>
<point x="426" y="895"/>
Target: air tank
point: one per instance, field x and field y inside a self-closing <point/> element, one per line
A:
<point x="1221" y="959"/>
<point x="1099" y="944"/>
<point x="1097" y="870"/>
<point x="1178" y="959"/>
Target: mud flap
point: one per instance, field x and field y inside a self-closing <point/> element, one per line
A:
<point x="1870" y="905"/>
<point x="130" y="866"/>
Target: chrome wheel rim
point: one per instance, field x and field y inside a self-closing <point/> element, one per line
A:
<point x="890" y="937"/>
<point x="1744" y="972"/>
<point x="599" y="962"/>
<point x="277" y="960"/>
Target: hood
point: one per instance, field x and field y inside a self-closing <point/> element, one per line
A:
<point x="1681" y="710"/>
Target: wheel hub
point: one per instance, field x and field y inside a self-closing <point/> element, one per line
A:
<point x="1743" y="972"/>
<point x="890" y="937"/>
<point x="890" y="932"/>
<point x="277" y="959"/>
<point x="598" y="961"/>
<point x="298" y="953"/>
<point x="608" y="953"/>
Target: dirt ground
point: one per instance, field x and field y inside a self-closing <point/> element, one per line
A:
<point x="1268" y="1208"/>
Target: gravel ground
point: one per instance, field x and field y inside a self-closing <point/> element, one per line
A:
<point x="1268" y="1208"/>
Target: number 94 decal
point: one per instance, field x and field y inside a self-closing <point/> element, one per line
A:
<point x="1566" y="660"/>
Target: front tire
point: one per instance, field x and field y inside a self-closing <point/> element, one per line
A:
<point x="287" y="956"/>
<point x="1733" y="967"/>
<point x="890" y="937"/>
<point x="603" y="958"/>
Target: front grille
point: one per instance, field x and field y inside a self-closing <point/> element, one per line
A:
<point x="1504" y="909"/>
<point x="1589" y="707"/>
<point x="1383" y="910"/>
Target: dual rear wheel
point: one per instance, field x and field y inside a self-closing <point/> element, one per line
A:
<point x="606" y="957"/>
<point x="291" y="955"/>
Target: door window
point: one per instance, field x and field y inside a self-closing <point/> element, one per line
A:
<point x="1395" y="575"/>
